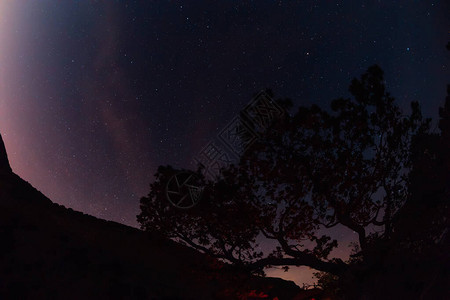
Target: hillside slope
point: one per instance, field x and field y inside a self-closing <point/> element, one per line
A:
<point x="51" y="252"/>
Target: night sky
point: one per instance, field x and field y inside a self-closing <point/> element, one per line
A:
<point x="95" y="95"/>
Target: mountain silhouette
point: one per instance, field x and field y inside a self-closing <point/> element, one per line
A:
<point x="4" y="162"/>
<point x="52" y="252"/>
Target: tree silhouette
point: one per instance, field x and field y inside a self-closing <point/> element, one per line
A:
<point x="307" y="173"/>
<point x="419" y="249"/>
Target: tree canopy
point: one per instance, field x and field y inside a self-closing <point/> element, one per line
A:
<point x="348" y="165"/>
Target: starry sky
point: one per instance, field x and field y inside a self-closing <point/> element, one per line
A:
<point x="95" y="95"/>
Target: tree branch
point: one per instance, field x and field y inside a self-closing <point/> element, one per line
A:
<point x="302" y="260"/>
<point x="345" y="220"/>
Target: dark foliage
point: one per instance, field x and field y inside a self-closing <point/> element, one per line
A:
<point x="363" y="164"/>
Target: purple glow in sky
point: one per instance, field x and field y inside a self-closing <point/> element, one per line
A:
<point x="94" y="95"/>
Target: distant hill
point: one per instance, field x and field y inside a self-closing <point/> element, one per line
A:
<point x="51" y="252"/>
